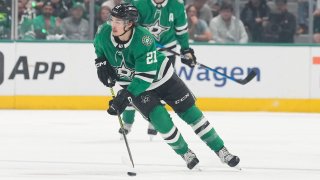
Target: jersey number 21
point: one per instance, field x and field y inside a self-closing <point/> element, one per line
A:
<point x="151" y="57"/>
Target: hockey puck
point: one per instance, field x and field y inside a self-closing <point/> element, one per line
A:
<point x="131" y="173"/>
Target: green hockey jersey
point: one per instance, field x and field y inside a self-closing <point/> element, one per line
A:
<point x="166" y="22"/>
<point x="137" y="62"/>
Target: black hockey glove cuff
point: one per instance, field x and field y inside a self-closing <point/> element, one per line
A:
<point x="105" y="71"/>
<point x="120" y="102"/>
<point x="188" y="57"/>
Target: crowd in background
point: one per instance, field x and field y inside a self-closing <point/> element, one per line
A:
<point x="263" y="21"/>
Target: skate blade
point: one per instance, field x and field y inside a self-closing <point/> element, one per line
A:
<point x="151" y="137"/>
<point x="196" y="168"/>
<point x="238" y="167"/>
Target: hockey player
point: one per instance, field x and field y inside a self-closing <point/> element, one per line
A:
<point x="167" y="22"/>
<point x="126" y="54"/>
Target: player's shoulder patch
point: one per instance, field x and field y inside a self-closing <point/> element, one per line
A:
<point x="147" y="40"/>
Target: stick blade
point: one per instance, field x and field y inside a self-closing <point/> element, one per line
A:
<point x="250" y="76"/>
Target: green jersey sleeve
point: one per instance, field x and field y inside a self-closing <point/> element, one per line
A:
<point x="181" y="25"/>
<point x="97" y="41"/>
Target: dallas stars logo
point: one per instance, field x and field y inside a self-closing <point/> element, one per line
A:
<point x="147" y="40"/>
<point x="157" y="29"/>
<point x="124" y="71"/>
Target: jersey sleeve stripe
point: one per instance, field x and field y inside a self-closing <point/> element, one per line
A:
<point x="149" y="80"/>
<point x="164" y="78"/>
<point x="151" y="76"/>
<point x="147" y="72"/>
<point x="168" y="49"/>
<point x="182" y="32"/>
<point x="181" y="28"/>
<point x="170" y="46"/>
<point x="164" y="68"/>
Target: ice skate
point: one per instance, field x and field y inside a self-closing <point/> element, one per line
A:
<point x="151" y="131"/>
<point x="190" y="158"/>
<point x="227" y="158"/>
<point x="126" y="128"/>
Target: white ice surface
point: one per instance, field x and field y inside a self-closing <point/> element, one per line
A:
<point x="85" y="145"/>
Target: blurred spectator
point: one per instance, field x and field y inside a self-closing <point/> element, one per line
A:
<point x="214" y="6"/>
<point x="59" y="9"/>
<point x="5" y="20"/>
<point x="28" y="9"/>
<point x="75" y="27"/>
<point x="47" y="26"/>
<point x="99" y="2"/>
<point x="281" y="26"/>
<point x="111" y="3"/>
<point x="86" y="11"/>
<point x="226" y="28"/>
<point x="25" y="24"/>
<point x="102" y="16"/>
<point x="303" y="15"/>
<point x="198" y="28"/>
<point x="68" y="3"/>
<point x="316" y="23"/>
<point x="204" y="11"/>
<point x="254" y="17"/>
<point x="35" y="5"/>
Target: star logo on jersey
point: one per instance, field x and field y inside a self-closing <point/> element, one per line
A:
<point x="124" y="72"/>
<point x="157" y="29"/>
<point x="147" y="40"/>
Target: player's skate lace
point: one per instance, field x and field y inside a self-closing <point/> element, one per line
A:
<point x="126" y="128"/>
<point x="151" y="131"/>
<point x="226" y="157"/>
<point x="190" y="158"/>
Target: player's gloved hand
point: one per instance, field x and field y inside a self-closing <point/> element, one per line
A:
<point x="120" y="102"/>
<point x="105" y="71"/>
<point x="188" y="57"/>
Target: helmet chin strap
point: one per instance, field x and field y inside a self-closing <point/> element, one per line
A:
<point x="125" y="31"/>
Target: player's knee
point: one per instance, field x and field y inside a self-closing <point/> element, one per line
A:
<point x="191" y="115"/>
<point x="160" y="119"/>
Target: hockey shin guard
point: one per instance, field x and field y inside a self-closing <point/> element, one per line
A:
<point x="201" y="126"/>
<point x="162" y="122"/>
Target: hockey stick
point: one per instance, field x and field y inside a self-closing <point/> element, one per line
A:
<point x="123" y="132"/>
<point x="244" y="81"/>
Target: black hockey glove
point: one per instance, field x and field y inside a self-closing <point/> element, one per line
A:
<point x="120" y="102"/>
<point x="105" y="71"/>
<point x="188" y="57"/>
